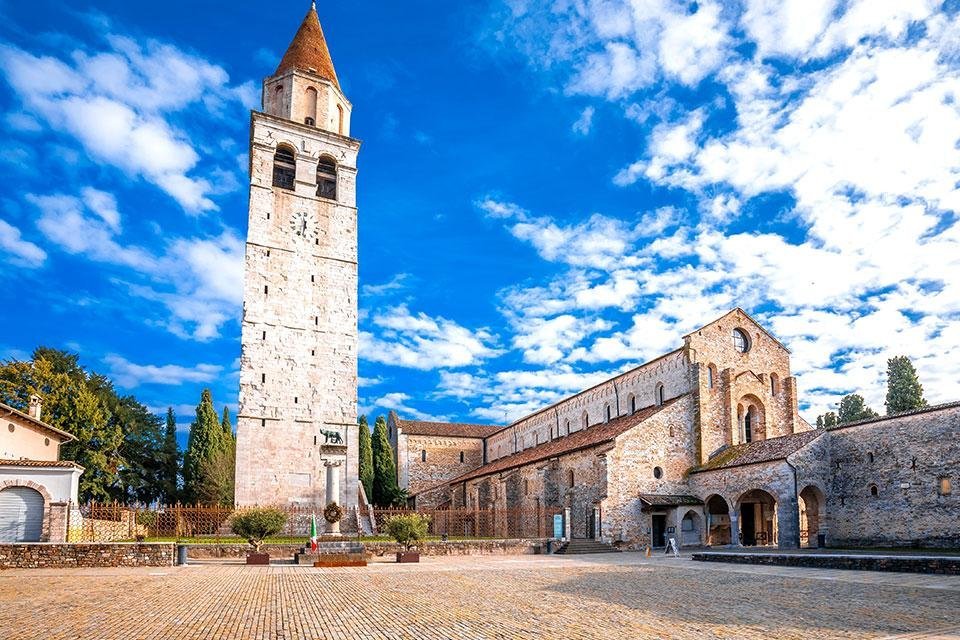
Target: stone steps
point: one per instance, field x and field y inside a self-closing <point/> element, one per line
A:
<point x="578" y="547"/>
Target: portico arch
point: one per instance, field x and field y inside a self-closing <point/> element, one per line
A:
<point x="758" y="523"/>
<point x="691" y="529"/>
<point x="812" y="503"/>
<point x="717" y="512"/>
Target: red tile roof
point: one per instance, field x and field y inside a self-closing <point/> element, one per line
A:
<point x="40" y="463"/>
<point x="445" y="429"/>
<point x="759" y="451"/>
<point x="583" y="439"/>
<point x="308" y="51"/>
<point x="894" y="416"/>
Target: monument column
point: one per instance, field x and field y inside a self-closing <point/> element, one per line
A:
<point x="333" y="490"/>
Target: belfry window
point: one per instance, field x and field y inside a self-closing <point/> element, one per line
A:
<point x="327" y="178"/>
<point x="284" y="168"/>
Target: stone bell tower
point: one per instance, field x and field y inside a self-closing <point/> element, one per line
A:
<point x="297" y="420"/>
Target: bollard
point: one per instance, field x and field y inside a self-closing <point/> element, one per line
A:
<point x="181" y="554"/>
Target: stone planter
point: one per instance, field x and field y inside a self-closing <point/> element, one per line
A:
<point x="258" y="558"/>
<point x="408" y="556"/>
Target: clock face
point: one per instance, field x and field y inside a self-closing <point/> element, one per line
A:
<point x="303" y="226"/>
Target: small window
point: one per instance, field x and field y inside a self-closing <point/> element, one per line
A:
<point x="740" y="341"/>
<point x="658" y="394"/>
<point x="284" y="168"/>
<point x="945" y="487"/>
<point x="874" y="491"/>
<point x="327" y="178"/>
<point x="313" y="352"/>
<point x="11" y="428"/>
<point x="568" y="428"/>
<point x="526" y="487"/>
<point x="278" y="88"/>
<point x="710" y="376"/>
<point x="461" y="456"/>
<point x="870" y="457"/>
<point x="263" y="377"/>
<point x="633" y="405"/>
<point x="586" y="420"/>
<point x="264" y="336"/>
<point x="266" y="290"/>
<point x="295" y="399"/>
<point x="340" y="119"/>
<point x="570" y="478"/>
<point x="46" y="443"/>
<point x="309" y="121"/>
<point x="657" y="473"/>
<point x="608" y="413"/>
<point x="774" y="384"/>
<point x="263" y="422"/>
<point x="423" y="455"/>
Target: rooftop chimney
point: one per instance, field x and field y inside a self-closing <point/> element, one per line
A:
<point x="36" y="406"/>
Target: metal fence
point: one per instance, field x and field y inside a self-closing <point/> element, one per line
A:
<point x="109" y="522"/>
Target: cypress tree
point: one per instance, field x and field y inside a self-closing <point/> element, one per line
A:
<point x="366" y="458"/>
<point x="171" y="455"/>
<point x="227" y="430"/>
<point x="854" y="408"/>
<point x="385" y="488"/>
<point x="904" y="391"/>
<point x="202" y="445"/>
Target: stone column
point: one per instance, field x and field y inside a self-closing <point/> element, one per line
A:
<point x="734" y="529"/>
<point x="333" y="490"/>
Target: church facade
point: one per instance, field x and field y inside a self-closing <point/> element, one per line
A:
<point x="704" y="445"/>
<point x="297" y="418"/>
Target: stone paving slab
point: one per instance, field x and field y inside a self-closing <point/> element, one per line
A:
<point x="610" y="596"/>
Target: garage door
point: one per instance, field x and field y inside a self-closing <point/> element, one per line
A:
<point x="21" y="515"/>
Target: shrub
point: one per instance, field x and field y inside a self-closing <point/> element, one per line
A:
<point x="257" y="524"/>
<point x="408" y="529"/>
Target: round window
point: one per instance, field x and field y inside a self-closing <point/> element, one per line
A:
<point x="740" y="341"/>
<point x="46" y="442"/>
<point x="10" y="428"/>
<point x="657" y="473"/>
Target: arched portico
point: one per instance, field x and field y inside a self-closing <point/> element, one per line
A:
<point x="691" y="529"/>
<point x="812" y="503"/>
<point x="758" y="522"/>
<point x="717" y="512"/>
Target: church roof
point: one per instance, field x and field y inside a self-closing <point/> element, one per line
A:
<point x="445" y="429"/>
<point x="583" y="439"/>
<point x="767" y="450"/>
<point x="308" y="51"/>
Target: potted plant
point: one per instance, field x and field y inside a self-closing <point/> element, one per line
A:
<point x="256" y="525"/>
<point x="333" y="513"/>
<point x="409" y="530"/>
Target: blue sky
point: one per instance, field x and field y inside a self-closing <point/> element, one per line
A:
<point x="549" y="192"/>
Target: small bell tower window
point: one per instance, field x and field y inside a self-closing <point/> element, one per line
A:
<point x="327" y="178"/>
<point x="284" y="168"/>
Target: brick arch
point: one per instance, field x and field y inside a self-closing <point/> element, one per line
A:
<point x="47" y="500"/>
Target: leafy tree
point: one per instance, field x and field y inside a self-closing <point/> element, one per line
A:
<point x="256" y="525"/>
<point x="408" y="529"/>
<point x="828" y="419"/>
<point x="385" y="487"/>
<point x="366" y="458"/>
<point x="141" y="472"/>
<point x="904" y="391"/>
<point x="205" y="443"/>
<point x="170" y="460"/>
<point x="854" y="408"/>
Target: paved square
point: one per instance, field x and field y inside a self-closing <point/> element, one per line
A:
<point x="614" y="596"/>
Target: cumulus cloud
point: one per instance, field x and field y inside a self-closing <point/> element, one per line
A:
<point x="20" y="252"/>
<point x="130" y="375"/>
<point x="118" y="104"/>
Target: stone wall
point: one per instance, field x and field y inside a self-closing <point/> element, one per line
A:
<point x="446" y="458"/>
<point x="901" y="564"/>
<point x="58" y="556"/>
<point x="904" y="458"/>
<point x="451" y="548"/>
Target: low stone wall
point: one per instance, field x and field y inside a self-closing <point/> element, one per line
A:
<point x="902" y="564"/>
<point x="452" y="548"/>
<point x="58" y="555"/>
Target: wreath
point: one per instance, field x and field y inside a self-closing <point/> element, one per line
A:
<point x="333" y="513"/>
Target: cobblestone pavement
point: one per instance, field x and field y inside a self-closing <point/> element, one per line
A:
<point x="612" y="596"/>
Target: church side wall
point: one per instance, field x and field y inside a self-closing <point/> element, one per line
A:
<point x="909" y="456"/>
<point x="442" y="460"/>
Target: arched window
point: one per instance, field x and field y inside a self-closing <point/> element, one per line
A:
<point x="461" y="456"/>
<point x="570" y="478"/>
<point x="327" y="178"/>
<point x="748" y="425"/>
<point x="657" y="473"/>
<point x="870" y="456"/>
<point x="774" y="384"/>
<point x="586" y="420"/>
<point x="284" y="167"/>
<point x="423" y="454"/>
<point x="658" y="395"/>
<point x="311" y="106"/>
<point x="340" y="119"/>
<point x="633" y="404"/>
<point x="568" y="427"/>
<point x="711" y="375"/>
<point x="309" y="121"/>
<point x="608" y="413"/>
<point x="740" y="341"/>
<point x="874" y="491"/>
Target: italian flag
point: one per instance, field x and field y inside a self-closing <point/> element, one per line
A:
<point x="313" y="532"/>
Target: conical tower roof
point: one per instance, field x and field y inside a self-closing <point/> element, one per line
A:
<point x="308" y="51"/>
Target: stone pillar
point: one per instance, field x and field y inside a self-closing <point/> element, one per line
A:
<point x="734" y="529"/>
<point x="333" y="490"/>
<point x="788" y="524"/>
<point x="566" y="523"/>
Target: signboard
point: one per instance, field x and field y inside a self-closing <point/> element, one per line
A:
<point x="558" y="526"/>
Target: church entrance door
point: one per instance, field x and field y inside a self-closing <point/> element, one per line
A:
<point x="659" y="530"/>
<point x="748" y="524"/>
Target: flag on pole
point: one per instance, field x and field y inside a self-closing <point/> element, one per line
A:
<point x="313" y="532"/>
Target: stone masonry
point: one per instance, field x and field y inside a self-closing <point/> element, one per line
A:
<point x="298" y="367"/>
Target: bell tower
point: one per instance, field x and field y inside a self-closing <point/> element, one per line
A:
<point x="297" y="419"/>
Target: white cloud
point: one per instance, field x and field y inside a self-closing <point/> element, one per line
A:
<point x="418" y="341"/>
<point x="130" y="375"/>
<point x="20" y="252"/>
<point x="116" y="104"/>
<point x="394" y="284"/>
<point x="399" y="402"/>
<point x="584" y="123"/>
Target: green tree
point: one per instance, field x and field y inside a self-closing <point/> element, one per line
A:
<point x="904" y="391"/>
<point x="366" y="458"/>
<point x="385" y="490"/>
<point x="854" y="408"/>
<point x="171" y="460"/>
<point x="828" y="419"/>
<point x="205" y="443"/>
<point x="141" y="472"/>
